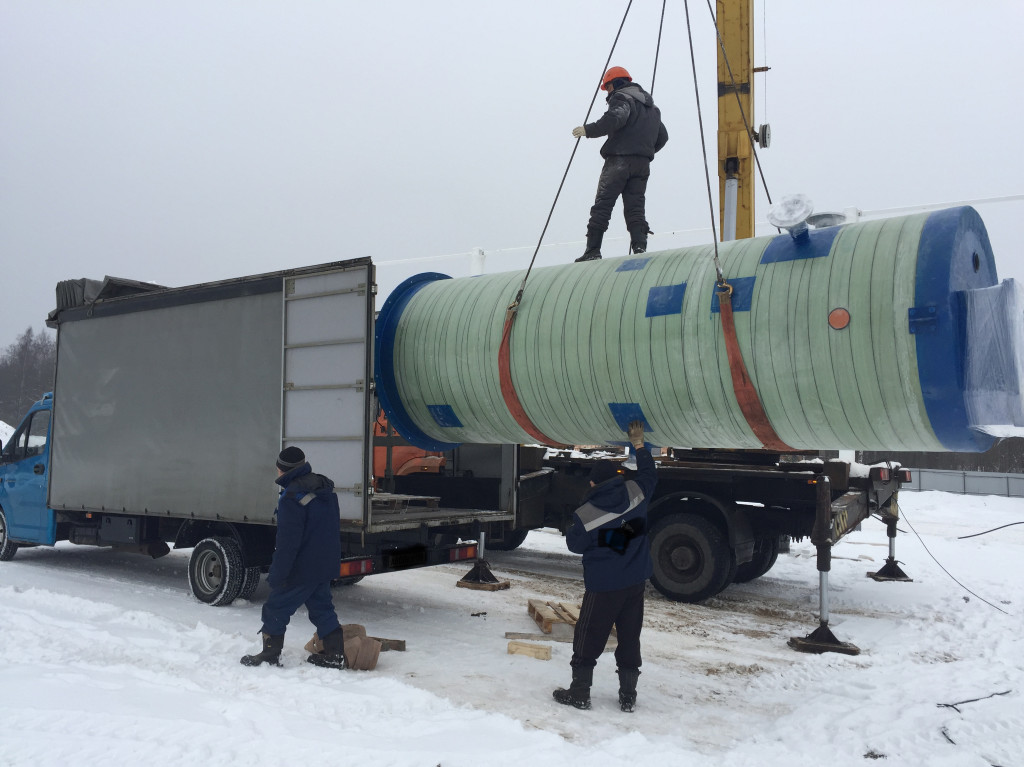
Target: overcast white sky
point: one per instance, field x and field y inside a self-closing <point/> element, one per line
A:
<point x="182" y="141"/>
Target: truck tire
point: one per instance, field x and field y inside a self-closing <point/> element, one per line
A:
<point x="250" y="582"/>
<point x="511" y="540"/>
<point x="692" y="559"/>
<point x="8" y="548"/>
<point x="215" y="571"/>
<point x="766" y="551"/>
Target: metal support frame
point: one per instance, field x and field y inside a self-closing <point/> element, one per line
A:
<point x="822" y="639"/>
<point x="480" y="576"/>
<point x="891" y="571"/>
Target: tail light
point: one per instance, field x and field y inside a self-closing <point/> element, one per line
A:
<point x="880" y="474"/>
<point x="905" y="475"/>
<point x="467" y="551"/>
<point x="355" y="567"/>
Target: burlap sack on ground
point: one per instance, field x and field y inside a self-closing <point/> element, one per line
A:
<point x="361" y="651"/>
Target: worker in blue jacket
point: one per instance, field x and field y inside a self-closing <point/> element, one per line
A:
<point x="610" y="531"/>
<point x="305" y="561"/>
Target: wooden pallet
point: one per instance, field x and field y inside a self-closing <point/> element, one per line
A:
<point x="555" y="618"/>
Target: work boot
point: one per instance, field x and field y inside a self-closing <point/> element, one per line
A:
<point x="638" y="239"/>
<point x="333" y="655"/>
<point x="578" y="694"/>
<point x="272" y="646"/>
<point x="627" y="688"/>
<point x="593" y="251"/>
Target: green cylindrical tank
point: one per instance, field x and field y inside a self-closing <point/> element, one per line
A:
<point x="855" y="337"/>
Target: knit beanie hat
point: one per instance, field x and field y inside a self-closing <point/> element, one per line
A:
<point x="602" y="471"/>
<point x="290" y="458"/>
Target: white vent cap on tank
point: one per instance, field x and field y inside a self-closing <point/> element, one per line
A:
<point x="790" y="213"/>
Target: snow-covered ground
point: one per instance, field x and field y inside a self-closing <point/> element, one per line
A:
<point x="106" y="660"/>
<point x="5" y="432"/>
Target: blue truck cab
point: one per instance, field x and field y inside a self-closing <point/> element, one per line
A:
<point x="25" y="517"/>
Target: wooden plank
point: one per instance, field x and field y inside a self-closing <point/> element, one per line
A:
<point x="535" y="637"/>
<point x="571" y="610"/>
<point x="537" y="651"/>
<point x="609" y="646"/>
<point x="500" y="585"/>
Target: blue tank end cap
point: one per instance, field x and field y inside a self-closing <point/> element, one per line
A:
<point x="954" y="255"/>
<point x="384" y="361"/>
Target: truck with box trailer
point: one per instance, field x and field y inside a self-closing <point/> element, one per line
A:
<point x="170" y="406"/>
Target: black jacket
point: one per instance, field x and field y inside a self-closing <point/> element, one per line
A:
<point x="613" y="560"/>
<point x="308" y="549"/>
<point x="632" y="124"/>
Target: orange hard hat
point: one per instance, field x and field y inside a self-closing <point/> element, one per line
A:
<point x="613" y="74"/>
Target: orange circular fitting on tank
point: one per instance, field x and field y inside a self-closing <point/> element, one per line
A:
<point x="838" y="318"/>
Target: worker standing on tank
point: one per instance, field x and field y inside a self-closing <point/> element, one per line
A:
<point x="635" y="133"/>
<point x="609" y="530"/>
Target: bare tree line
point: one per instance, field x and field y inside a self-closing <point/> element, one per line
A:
<point x="27" y="369"/>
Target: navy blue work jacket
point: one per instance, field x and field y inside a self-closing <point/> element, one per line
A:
<point x="308" y="548"/>
<point x="610" y="564"/>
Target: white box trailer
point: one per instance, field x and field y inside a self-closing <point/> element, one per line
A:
<point x="171" y="404"/>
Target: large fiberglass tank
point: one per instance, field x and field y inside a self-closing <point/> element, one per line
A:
<point x="884" y="335"/>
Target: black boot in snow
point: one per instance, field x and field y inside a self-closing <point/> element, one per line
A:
<point x="627" y="688"/>
<point x="593" y="251"/>
<point x="578" y="694"/>
<point x="272" y="646"/>
<point x="333" y="655"/>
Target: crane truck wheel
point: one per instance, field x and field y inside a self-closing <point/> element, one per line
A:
<point x="7" y="546"/>
<point x="215" y="571"/>
<point x="766" y="551"/>
<point x="692" y="559"/>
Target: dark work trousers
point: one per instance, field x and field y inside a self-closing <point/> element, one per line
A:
<point x="624" y="175"/>
<point x="282" y="604"/>
<point x="623" y="608"/>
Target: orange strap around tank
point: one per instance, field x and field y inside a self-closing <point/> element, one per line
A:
<point x="508" y="391"/>
<point x="746" y="395"/>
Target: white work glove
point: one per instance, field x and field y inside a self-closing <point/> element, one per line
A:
<point x="579" y="132"/>
<point x="636" y="434"/>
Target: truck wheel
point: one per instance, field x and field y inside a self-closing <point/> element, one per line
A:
<point x="692" y="559"/>
<point x="215" y="571"/>
<point x="250" y="582"/>
<point x="766" y="551"/>
<point x="511" y="539"/>
<point x="7" y="546"/>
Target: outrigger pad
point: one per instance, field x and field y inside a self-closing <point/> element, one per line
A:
<point x="890" y="571"/>
<point x="823" y="640"/>
<point x="482" y="579"/>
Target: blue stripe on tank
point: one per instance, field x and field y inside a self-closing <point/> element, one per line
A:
<point x="663" y="300"/>
<point x="815" y="243"/>
<point x="742" y="294"/>
<point x="625" y="413"/>
<point x="953" y="254"/>
<point x="633" y="264"/>
<point x="445" y="416"/>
